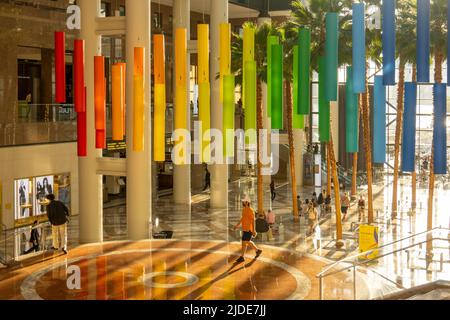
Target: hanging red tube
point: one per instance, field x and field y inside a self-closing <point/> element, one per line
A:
<point x="60" y="67"/>
<point x="100" y="102"/>
<point x="78" y="65"/>
<point x="82" y="129"/>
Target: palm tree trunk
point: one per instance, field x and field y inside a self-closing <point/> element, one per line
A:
<point x="337" y="194"/>
<point x="368" y="148"/>
<point x="259" y="125"/>
<point x="398" y="132"/>
<point x="291" y="149"/>
<point x="354" y="174"/>
<point x="329" y="173"/>
<point x="355" y="158"/>
<point x="414" y="174"/>
<point x="438" y="59"/>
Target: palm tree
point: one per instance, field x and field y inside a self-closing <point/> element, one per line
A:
<point x="438" y="37"/>
<point x="313" y="17"/>
<point x="406" y="24"/>
<point x="290" y="37"/>
<point x="261" y="34"/>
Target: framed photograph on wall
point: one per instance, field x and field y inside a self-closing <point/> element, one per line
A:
<point x="23" y="203"/>
<point x="43" y="186"/>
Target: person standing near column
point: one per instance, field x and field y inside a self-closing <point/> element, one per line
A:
<point x="58" y="215"/>
<point x="248" y="230"/>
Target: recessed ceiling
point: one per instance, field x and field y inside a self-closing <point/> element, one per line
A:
<point x="234" y="11"/>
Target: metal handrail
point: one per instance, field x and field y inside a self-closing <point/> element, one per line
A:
<point x="372" y="250"/>
<point x="354" y="262"/>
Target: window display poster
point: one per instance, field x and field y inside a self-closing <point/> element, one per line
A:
<point x="22" y="199"/>
<point x="43" y="187"/>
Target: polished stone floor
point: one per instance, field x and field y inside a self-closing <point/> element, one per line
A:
<point x="199" y="262"/>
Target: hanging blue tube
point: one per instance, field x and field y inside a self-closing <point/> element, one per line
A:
<point x="423" y="41"/>
<point x="388" y="38"/>
<point x="409" y="128"/>
<point x="379" y="126"/>
<point x="440" y="128"/>
<point x="448" y="42"/>
<point x="359" y="48"/>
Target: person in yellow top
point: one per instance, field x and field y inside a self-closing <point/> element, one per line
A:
<point x="248" y="230"/>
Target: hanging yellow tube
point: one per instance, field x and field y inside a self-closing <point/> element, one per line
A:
<point x="138" y="98"/>
<point x="225" y="54"/>
<point x="117" y="102"/>
<point x="248" y="53"/>
<point x="159" y="117"/>
<point x="180" y="94"/>
<point x="204" y="93"/>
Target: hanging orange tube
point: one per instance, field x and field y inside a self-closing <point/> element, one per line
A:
<point x="139" y="104"/>
<point x="159" y="117"/>
<point x="100" y="102"/>
<point x="117" y="102"/>
<point x="124" y="73"/>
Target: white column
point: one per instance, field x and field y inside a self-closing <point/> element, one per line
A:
<point x="139" y="177"/>
<point x="266" y="121"/>
<point x="334" y="114"/>
<point x="299" y="143"/>
<point x="90" y="184"/>
<point x="182" y="173"/>
<point x="219" y="173"/>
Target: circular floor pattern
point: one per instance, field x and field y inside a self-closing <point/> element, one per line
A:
<point x="169" y="270"/>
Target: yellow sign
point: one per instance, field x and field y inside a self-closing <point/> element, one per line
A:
<point x="116" y="146"/>
<point x="368" y="241"/>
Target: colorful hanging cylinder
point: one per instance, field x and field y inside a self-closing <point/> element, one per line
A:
<point x="304" y="66"/>
<point x="78" y="65"/>
<point x="388" y="39"/>
<point x="250" y="102"/>
<point x="60" y="67"/>
<point x="225" y="53"/>
<point x="159" y="116"/>
<point x="423" y="41"/>
<point x="409" y="128"/>
<point x="277" y="87"/>
<point x="138" y="99"/>
<point x="100" y="102"/>
<point x="180" y="93"/>
<point x="204" y="93"/>
<point x="124" y="73"/>
<point x="351" y="115"/>
<point x="379" y="126"/>
<point x="248" y="53"/>
<point x="440" y="128"/>
<point x="228" y="115"/>
<point x="448" y="41"/>
<point x="82" y="128"/>
<point x="331" y="54"/>
<point x="359" y="48"/>
<point x="118" y="92"/>
<point x="298" y="121"/>
<point x="324" y="105"/>
<point x="271" y="40"/>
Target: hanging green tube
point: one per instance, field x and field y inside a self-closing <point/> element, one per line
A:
<point x="271" y="40"/>
<point x="228" y="115"/>
<point x="277" y="87"/>
<point x="298" y="121"/>
<point x="250" y="100"/>
<point x="331" y="54"/>
<point x="304" y="66"/>
<point x="351" y="115"/>
<point x="324" y="105"/>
